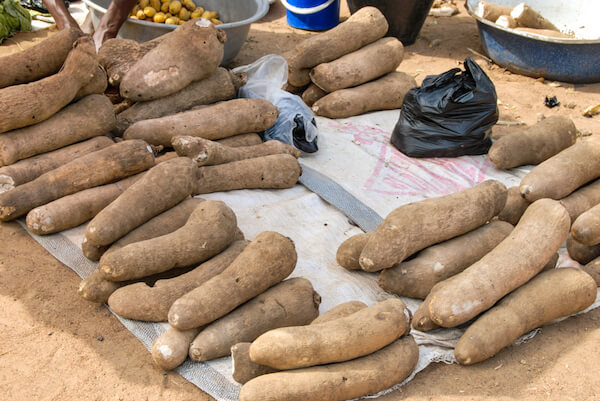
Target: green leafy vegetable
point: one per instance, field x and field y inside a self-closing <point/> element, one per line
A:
<point x="13" y="18"/>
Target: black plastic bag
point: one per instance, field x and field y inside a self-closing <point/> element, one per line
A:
<point x="450" y="115"/>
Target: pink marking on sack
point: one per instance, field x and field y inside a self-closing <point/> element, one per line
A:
<point x="399" y="175"/>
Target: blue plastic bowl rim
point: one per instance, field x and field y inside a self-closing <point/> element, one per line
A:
<point x="542" y="38"/>
<point x="263" y="8"/>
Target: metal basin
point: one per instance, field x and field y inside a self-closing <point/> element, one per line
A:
<point x="575" y="60"/>
<point x="237" y="16"/>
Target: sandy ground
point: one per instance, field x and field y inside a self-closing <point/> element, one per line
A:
<point x="56" y="346"/>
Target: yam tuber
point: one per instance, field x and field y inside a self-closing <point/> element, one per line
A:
<point x="586" y="227"/>
<point x="75" y="209"/>
<point x="161" y="188"/>
<point x="107" y="165"/>
<point x="95" y="288"/>
<point x="270" y="172"/>
<point x="341" y="310"/>
<point x="166" y="156"/>
<point x="533" y="144"/>
<point x="563" y="173"/>
<point x="582" y="200"/>
<point x="28" y="104"/>
<point x="508" y="266"/>
<point x="292" y="302"/>
<point x="491" y="11"/>
<point x="515" y="206"/>
<point x="209" y="230"/>
<point x="208" y="153"/>
<point x="96" y="86"/>
<point x="551" y="263"/>
<point x="244" y="369"/>
<point x="312" y="94"/>
<point x="118" y="55"/>
<point x="166" y="69"/>
<point x="548" y="296"/>
<point x="526" y="16"/>
<point x="593" y="269"/>
<point x="171" y="348"/>
<point x="90" y="117"/>
<point x="39" y="61"/>
<point x="266" y="261"/>
<point x="506" y="21"/>
<point x="29" y="169"/>
<point x="353" y="336"/>
<point x="581" y="253"/>
<point x="415" y="226"/>
<point x="415" y="278"/>
<point x="348" y="253"/>
<point x="421" y="320"/>
<point x="241" y="140"/>
<point x="363" y="65"/>
<point x="363" y="27"/>
<point x="385" y="93"/>
<point x="221" y="120"/>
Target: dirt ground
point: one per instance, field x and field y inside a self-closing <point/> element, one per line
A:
<point x="56" y="346"/>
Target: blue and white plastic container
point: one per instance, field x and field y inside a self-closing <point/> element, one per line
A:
<point x="312" y="15"/>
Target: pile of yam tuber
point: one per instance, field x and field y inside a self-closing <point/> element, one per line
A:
<point x="339" y="356"/>
<point x="486" y="256"/>
<point x="176" y="258"/>
<point x="60" y="165"/>
<point x="522" y="18"/>
<point x="350" y="69"/>
<point x="235" y="292"/>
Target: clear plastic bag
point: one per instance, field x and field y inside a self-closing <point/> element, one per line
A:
<point x="296" y="123"/>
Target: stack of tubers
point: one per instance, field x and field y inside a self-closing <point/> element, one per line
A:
<point x="415" y="226"/>
<point x="548" y="296"/>
<point x="30" y="103"/>
<point x="234" y="297"/>
<point x="56" y="158"/>
<point x="48" y="105"/>
<point x="473" y="257"/>
<point x="351" y="68"/>
<point x="330" y="359"/>
<point x="110" y="164"/>
<point x="220" y="85"/>
<point x="521" y="17"/>
<point x="475" y="254"/>
<point x="97" y="289"/>
<point x="441" y="236"/>
<point x="509" y="265"/>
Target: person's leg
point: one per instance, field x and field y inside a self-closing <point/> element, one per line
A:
<point x="60" y="14"/>
<point x="111" y="22"/>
